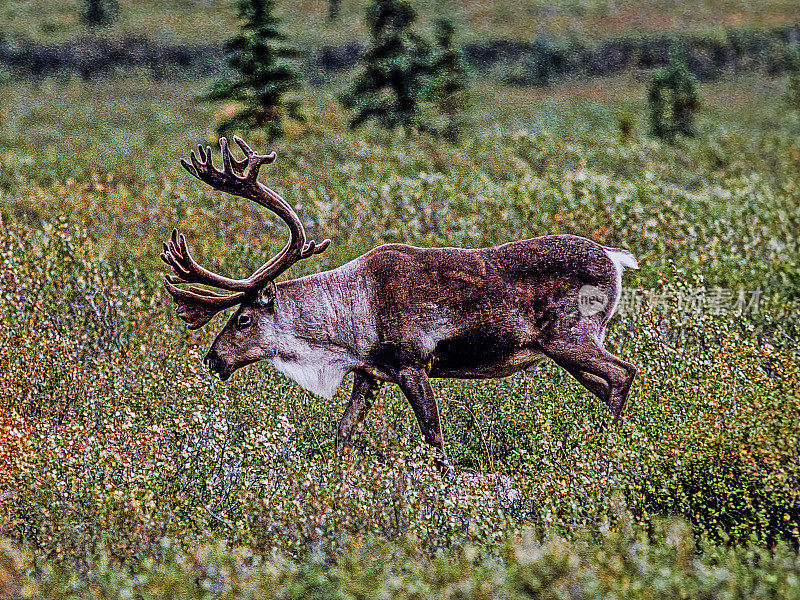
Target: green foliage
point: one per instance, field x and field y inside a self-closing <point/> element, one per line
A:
<point x="673" y="99"/>
<point x="390" y="85"/>
<point x="626" y="127"/>
<point x="258" y="55"/>
<point x="619" y="563"/>
<point x="401" y="70"/>
<point x="96" y="13"/>
<point x="333" y="9"/>
<point x="537" y="67"/>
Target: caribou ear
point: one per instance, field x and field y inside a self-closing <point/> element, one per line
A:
<point x="266" y="295"/>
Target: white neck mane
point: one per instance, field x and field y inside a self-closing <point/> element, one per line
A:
<point x="317" y="370"/>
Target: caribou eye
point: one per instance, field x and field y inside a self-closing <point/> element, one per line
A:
<point x="243" y="321"/>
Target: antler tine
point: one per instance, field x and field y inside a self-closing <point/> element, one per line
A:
<point x="254" y="159"/>
<point x="204" y="166"/>
<point x="237" y="166"/>
<point x="189" y="167"/>
<point x="231" y="178"/>
<point x="313" y="248"/>
<point x="187" y="270"/>
<point x="197" y="166"/>
<point x="230" y="166"/>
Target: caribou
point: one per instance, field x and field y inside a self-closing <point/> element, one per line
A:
<point x="403" y="314"/>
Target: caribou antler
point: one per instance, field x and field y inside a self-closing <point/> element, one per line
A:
<point x="196" y="305"/>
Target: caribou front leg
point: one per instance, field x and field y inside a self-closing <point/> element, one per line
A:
<point x="365" y="388"/>
<point x="414" y="383"/>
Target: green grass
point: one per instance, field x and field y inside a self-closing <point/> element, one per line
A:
<point x="122" y="460"/>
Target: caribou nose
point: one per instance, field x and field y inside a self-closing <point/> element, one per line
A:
<point x="211" y="361"/>
<point x="217" y="366"/>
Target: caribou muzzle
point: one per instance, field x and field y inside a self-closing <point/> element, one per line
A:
<point x="217" y="366"/>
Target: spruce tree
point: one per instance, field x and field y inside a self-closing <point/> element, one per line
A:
<point x="259" y="56"/>
<point x="333" y="9"/>
<point x="449" y="76"/>
<point x="96" y="13"/>
<point x="673" y="99"/>
<point x="390" y="85"/>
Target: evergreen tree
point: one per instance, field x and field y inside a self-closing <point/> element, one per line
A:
<point x="333" y="9"/>
<point x="390" y="85"/>
<point x="259" y="56"/>
<point x="673" y="99"/>
<point x="449" y="76"/>
<point x="96" y="13"/>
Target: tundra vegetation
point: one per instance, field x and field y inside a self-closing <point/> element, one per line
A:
<point x="125" y="471"/>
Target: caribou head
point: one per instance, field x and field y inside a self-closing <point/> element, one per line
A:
<point x="248" y="335"/>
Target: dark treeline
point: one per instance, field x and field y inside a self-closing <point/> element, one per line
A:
<point x="707" y="55"/>
<point x="92" y="56"/>
<point x="521" y="63"/>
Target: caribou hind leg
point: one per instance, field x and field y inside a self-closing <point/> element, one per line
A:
<point x="596" y="385"/>
<point x="606" y="376"/>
